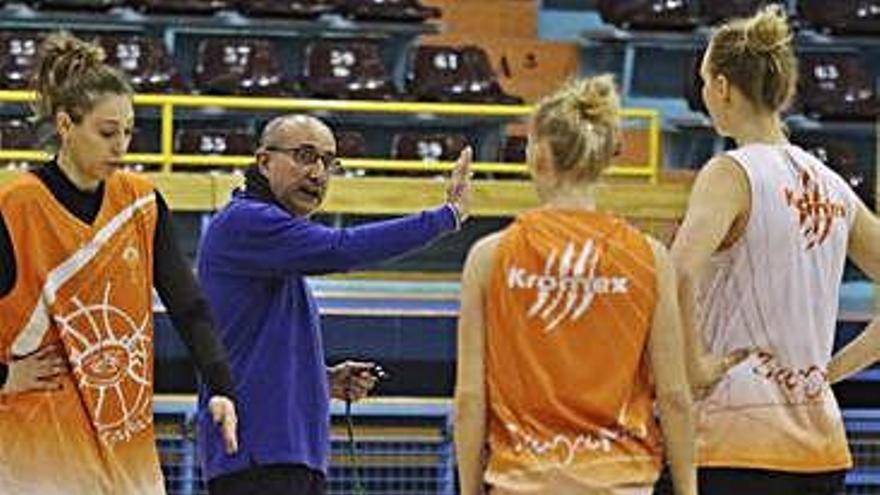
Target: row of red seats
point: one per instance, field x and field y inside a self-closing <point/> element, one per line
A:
<point x="427" y="146"/>
<point x="839" y="16"/>
<point x="332" y="68"/>
<point x="406" y="145"/>
<point x="833" y="85"/>
<point x="374" y="10"/>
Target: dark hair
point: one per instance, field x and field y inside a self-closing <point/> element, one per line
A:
<point x="580" y="123"/>
<point x="756" y="56"/>
<point x="72" y="76"/>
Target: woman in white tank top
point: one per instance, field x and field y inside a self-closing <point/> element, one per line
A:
<point x="760" y="257"/>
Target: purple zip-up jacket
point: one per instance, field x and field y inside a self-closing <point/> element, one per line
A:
<point x="252" y="266"/>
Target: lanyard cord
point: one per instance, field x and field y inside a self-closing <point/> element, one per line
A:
<point x="352" y="451"/>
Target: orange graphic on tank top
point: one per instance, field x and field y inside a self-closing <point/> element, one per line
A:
<point x="816" y="211"/>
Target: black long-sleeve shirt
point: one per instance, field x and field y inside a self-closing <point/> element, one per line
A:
<point x="173" y="278"/>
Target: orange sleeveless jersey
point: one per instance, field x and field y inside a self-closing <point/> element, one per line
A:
<point x="89" y="289"/>
<point x="569" y="309"/>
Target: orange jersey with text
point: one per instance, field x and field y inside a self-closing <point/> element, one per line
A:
<point x="569" y="308"/>
<point x="87" y="288"/>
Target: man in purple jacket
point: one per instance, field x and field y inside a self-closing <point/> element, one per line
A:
<point x="253" y="262"/>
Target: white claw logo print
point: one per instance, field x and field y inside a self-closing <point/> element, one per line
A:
<point x="569" y="292"/>
<point x="109" y="352"/>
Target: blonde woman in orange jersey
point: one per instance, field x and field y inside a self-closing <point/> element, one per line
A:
<point x="760" y="256"/>
<point x="81" y="247"/>
<point x="566" y="316"/>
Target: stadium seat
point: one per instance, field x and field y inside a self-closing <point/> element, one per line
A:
<point x="351" y="144"/>
<point x="214" y="141"/>
<point x="477" y="60"/>
<point x="837" y="85"/>
<point x="236" y="66"/>
<point x="17" y="134"/>
<point x="387" y="10"/>
<point x="842" y="16"/>
<point x="650" y="14"/>
<point x="195" y="7"/>
<point x="296" y="9"/>
<point x="716" y="11"/>
<point x="86" y="5"/>
<point x="347" y="69"/>
<point x="18" y="57"/>
<point x="843" y="158"/>
<point x="427" y="146"/>
<point x="529" y="68"/>
<point x="143" y="141"/>
<point x="514" y="149"/>
<point x="145" y="61"/>
<point x="452" y="74"/>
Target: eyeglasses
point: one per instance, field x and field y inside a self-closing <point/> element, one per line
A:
<point x="309" y="155"/>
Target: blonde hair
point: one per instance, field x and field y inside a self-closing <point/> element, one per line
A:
<point x="756" y="56"/>
<point x="72" y="76"/>
<point x="581" y="123"/>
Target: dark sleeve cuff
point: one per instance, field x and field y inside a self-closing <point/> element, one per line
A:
<point x="456" y="215"/>
<point x="218" y="379"/>
<point x="4" y="373"/>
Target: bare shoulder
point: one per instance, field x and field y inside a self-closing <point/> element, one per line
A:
<point x="724" y="165"/>
<point x="722" y="171"/>
<point x="481" y="254"/>
<point x="485" y="245"/>
<point x="661" y="253"/>
<point x="656" y="245"/>
<point x="721" y="194"/>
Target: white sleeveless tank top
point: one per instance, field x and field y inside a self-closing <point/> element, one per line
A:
<point x="776" y="289"/>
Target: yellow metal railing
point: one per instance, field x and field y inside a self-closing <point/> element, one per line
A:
<point x="168" y="103"/>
